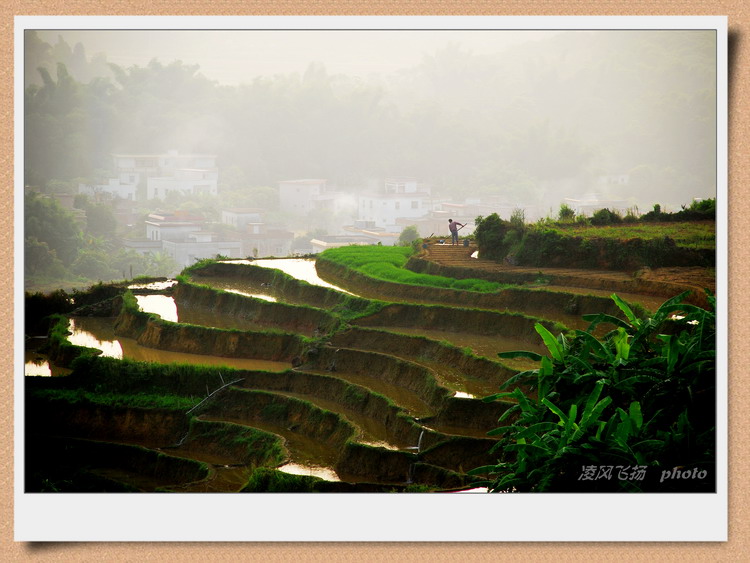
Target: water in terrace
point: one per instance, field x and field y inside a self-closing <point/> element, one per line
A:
<point x="37" y="364"/>
<point x="161" y="305"/>
<point x="310" y="470"/>
<point x="155" y="286"/>
<point x="299" y="268"/>
<point x="96" y="332"/>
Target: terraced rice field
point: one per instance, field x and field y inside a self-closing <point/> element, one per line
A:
<point x="359" y="386"/>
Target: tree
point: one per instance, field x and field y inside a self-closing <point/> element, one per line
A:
<point x="566" y="213"/>
<point x="94" y="265"/>
<point x="41" y="261"/>
<point x="47" y="222"/>
<point x="408" y="235"/>
<point x="100" y="221"/>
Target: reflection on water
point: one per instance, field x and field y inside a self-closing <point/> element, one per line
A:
<point x="36" y="364"/>
<point x="161" y="305"/>
<point x="322" y="472"/>
<point x="95" y="332"/>
<point x="254" y="295"/>
<point x="156" y="286"/>
<point x="299" y="268"/>
<point x="384" y="445"/>
<point x="99" y="333"/>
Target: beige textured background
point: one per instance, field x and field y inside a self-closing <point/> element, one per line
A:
<point x="738" y="12"/>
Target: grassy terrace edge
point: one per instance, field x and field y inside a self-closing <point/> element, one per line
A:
<point x="387" y="263"/>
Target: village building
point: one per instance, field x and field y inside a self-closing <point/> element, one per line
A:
<point x="181" y="236"/>
<point x="394" y="199"/>
<point x="158" y="175"/>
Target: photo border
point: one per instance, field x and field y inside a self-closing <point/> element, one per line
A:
<point x="462" y="504"/>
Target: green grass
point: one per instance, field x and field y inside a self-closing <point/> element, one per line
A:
<point x="697" y="235"/>
<point x="388" y="263"/>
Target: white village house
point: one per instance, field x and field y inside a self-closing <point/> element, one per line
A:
<point x="394" y="202"/>
<point x="160" y="174"/>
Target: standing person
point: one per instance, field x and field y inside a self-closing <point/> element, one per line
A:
<point x="454" y="230"/>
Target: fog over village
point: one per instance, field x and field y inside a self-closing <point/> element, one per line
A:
<point x="146" y="151"/>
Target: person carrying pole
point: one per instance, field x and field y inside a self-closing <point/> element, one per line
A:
<point x="452" y="226"/>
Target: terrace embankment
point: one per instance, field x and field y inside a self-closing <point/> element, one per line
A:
<point x="402" y="381"/>
<point x="463" y="367"/>
<point x="263" y="314"/>
<point x="373" y="412"/>
<point x="152" y="332"/>
<point x="325" y="430"/>
<point x="77" y="465"/>
<point x="146" y="426"/>
<point x="451" y="319"/>
<point x="231" y="444"/>
<point x="561" y="306"/>
<point x="647" y="286"/>
<point x="276" y="283"/>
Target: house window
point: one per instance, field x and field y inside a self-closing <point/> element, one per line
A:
<point x="398" y="205"/>
<point x="415" y="205"/>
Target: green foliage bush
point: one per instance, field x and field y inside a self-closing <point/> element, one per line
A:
<point x="605" y="217"/>
<point x="699" y="210"/>
<point x="641" y="397"/>
<point x="490" y="235"/>
<point x="566" y="213"/>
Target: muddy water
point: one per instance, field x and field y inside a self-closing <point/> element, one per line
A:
<point x="99" y="333"/>
<point x="95" y="332"/>
<point x="161" y="305"/>
<point x="487" y="346"/>
<point x="299" y="268"/>
<point x="36" y="364"/>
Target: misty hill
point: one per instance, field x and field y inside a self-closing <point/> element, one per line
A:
<point x="540" y="121"/>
